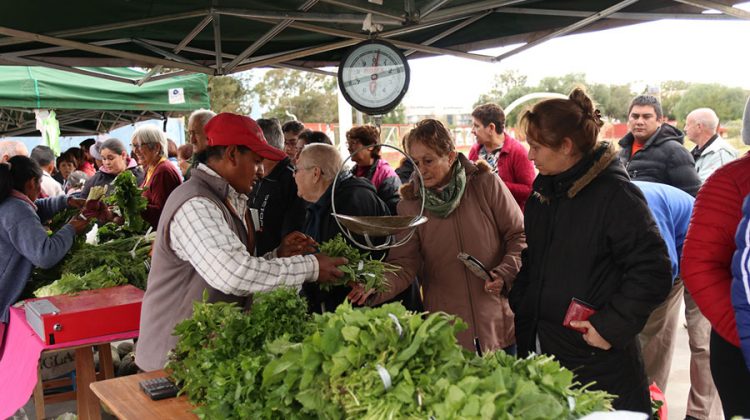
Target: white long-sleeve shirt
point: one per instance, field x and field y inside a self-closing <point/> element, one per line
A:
<point x="200" y="235"/>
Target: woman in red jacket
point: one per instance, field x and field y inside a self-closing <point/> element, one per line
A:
<point x="150" y="146"/>
<point x="707" y="273"/>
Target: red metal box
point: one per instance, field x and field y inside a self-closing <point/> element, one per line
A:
<point x="93" y="313"/>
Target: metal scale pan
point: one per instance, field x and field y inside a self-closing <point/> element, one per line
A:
<point x="370" y="227"/>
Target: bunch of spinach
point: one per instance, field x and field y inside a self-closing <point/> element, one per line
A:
<point x="338" y="372"/>
<point x="360" y="268"/>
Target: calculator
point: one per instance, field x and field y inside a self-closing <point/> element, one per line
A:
<point x="159" y="388"/>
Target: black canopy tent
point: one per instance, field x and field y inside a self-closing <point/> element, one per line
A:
<point x="225" y="36"/>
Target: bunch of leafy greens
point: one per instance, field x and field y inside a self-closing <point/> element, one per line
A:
<point x="98" y="278"/>
<point x="360" y="268"/>
<point x="371" y="364"/>
<point x="127" y="259"/>
<point x="222" y="351"/>
<point x="129" y="200"/>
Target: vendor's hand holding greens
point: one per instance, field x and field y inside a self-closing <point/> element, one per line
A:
<point x="360" y="269"/>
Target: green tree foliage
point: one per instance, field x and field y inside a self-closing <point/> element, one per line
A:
<point x="670" y="93"/>
<point x="308" y="96"/>
<point x="728" y="102"/>
<point x="612" y="100"/>
<point x="564" y="84"/>
<point x="397" y="116"/>
<point x="228" y="94"/>
<point x="506" y="88"/>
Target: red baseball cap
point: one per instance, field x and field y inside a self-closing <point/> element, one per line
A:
<point x="228" y="129"/>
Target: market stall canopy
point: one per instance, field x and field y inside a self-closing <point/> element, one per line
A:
<point x="224" y="36"/>
<point x="87" y="104"/>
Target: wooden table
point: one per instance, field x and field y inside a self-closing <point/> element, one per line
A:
<point x="126" y="400"/>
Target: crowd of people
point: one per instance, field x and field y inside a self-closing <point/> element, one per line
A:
<point x="590" y="246"/>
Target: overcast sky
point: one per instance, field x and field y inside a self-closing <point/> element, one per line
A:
<point x="646" y="53"/>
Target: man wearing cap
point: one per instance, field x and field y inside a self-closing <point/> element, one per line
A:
<point x="205" y="240"/>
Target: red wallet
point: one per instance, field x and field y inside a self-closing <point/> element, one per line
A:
<point x="578" y="310"/>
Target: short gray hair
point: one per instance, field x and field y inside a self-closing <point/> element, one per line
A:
<point x="113" y="144"/>
<point x="42" y="155"/>
<point x="706" y="117"/>
<point x="12" y="148"/>
<point x="272" y="132"/>
<point x="325" y="157"/>
<point x="150" y="135"/>
<point x="201" y="115"/>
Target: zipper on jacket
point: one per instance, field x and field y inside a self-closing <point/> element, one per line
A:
<point x="550" y="235"/>
<point x="477" y="342"/>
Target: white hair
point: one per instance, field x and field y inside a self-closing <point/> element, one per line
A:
<point x="325" y="157"/>
<point x="10" y="148"/>
<point x="202" y="116"/>
<point x="149" y="135"/>
<point x="706" y="117"/>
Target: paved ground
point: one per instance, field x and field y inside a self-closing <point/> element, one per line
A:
<point x="679" y="377"/>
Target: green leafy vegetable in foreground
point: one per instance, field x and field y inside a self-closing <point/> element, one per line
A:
<point x="360" y="268"/>
<point x="222" y="350"/>
<point x="361" y="363"/>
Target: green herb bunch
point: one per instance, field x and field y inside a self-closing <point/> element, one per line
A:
<point x="360" y="268"/>
<point x="96" y="266"/>
<point x="98" y="278"/>
<point x="128" y="198"/>
<point x="222" y="351"/>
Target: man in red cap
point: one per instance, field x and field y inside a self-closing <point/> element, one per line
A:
<point x="205" y="240"/>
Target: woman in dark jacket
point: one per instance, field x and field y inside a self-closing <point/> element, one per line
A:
<point x="590" y="237"/>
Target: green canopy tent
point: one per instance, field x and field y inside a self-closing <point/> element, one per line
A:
<point x="88" y="105"/>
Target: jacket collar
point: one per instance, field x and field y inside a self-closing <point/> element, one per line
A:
<point x="571" y="182"/>
<point x="213" y="180"/>
<point x="410" y="190"/>
<point x="663" y="134"/>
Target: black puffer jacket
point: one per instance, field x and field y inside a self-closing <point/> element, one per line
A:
<point x="662" y="159"/>
<point x="280" y="210"/>
<point x="591" y="236"/>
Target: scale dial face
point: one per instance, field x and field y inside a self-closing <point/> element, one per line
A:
<point x="374" y="77"/>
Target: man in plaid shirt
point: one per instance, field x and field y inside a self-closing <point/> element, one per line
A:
<point x="205" y="240"/>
